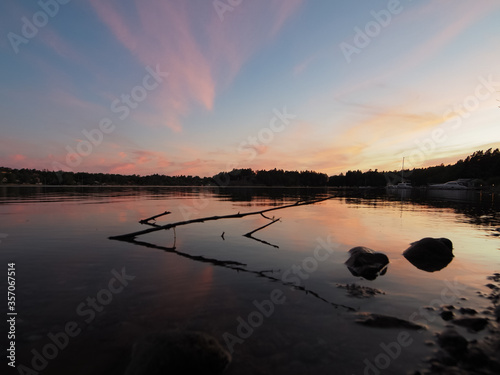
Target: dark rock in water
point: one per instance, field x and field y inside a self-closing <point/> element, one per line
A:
<point x="430" y="254"/>
<point x="177" y="353"/>
<point x="366" y="263"/>
<point x="453" y="342"/>
<point x="447" y="315"/>
<point x="468" y="311"/>
<point x="359" y="291"/>
<point x="474" y="324"/>
<point x="385" y="321"/>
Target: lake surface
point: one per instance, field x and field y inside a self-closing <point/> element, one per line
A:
<point x="58" y="239"/>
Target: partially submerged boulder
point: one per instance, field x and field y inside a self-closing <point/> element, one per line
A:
<point x="177" y="353"/>
<point x="472" y="324"/>
<point x="430" y="254"/>
<point x="367" y="263"/>
<point x="385" y="321"/>
<point x="453" y="342"/>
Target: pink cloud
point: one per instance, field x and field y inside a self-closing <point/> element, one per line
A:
<point x="164" y="39"/>
<point x="18" y="157"/>
<point x="192" y="45"/>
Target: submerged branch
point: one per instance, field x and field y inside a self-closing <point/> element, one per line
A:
<point x="129" y="236"/>
<point x="266" y="217"/>
<point x="249" y="234"/>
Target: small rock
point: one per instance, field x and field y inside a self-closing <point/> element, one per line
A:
<point x="448" y="307"/>
<point x="384" y="321"/>
<point x="452" y="342"/>
<point x="359" y="291"/>
<point x="467" y="311"/>
<point x="447" y="315"/>
<point x="474" y="324"/>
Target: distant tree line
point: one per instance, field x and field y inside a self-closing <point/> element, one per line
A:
<point x="46" y="177"/>
<point x="481" y="166"/>
<point x="273" y="177"/>
<point x="236" y="177"/>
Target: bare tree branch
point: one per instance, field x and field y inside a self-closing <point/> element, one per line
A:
<point x="145" y="221"/>
<point x="129" y="236"/>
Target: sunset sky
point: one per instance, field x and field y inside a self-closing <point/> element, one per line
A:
<point x="198" y="87"/>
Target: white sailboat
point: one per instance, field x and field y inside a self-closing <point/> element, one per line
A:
<point x="402" y="184"/>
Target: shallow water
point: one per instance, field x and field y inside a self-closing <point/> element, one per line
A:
<point x="58" y="239"/>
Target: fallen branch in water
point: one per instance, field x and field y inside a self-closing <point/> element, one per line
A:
<point x="249" y="234"/>
<point x="129" y="236"/>
<point x="145" y="221"/>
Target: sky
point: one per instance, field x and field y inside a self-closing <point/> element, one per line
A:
<point x="197" y="87"/>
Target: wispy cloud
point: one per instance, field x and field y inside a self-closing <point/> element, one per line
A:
<point x="299" y="68"/>
<point x="449" y="21"/>
<point x="190" y="47"/>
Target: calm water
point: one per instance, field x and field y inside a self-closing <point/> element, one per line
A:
<point x="58" y="239"/>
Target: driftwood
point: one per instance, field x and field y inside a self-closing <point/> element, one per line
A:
<point x="146" y="221"/>
<point x="249" y="234"/>
<point x="130" y="236"/>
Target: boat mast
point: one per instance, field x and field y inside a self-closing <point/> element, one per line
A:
<point x="402" y="171"/>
